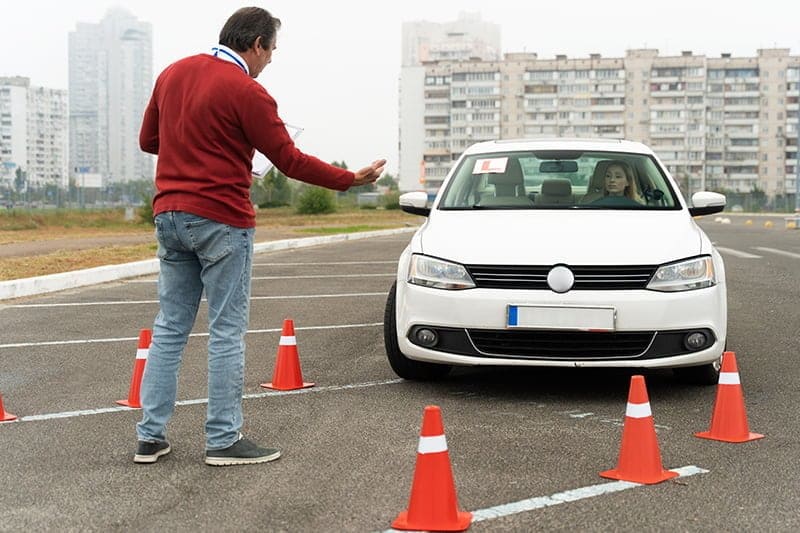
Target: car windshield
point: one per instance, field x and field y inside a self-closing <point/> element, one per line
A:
<point x="558" y="180"/>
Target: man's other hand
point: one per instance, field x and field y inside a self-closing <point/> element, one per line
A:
<point x="369" y="174"/>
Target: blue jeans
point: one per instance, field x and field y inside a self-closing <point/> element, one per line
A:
<point x="199" y="254"/>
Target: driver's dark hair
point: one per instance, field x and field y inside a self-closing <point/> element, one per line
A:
<point x="246" y="25"/>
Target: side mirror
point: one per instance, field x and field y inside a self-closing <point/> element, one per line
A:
<point x="415" y="203"/>
<point x="706" y="203"/>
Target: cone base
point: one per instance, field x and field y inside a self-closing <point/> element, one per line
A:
<point x="128" y="403"/>
<point x="462" y="522"/>
<point x="646" y="480"/>
<point x="270" y="385"/>
<point x="7" y="417"/>
<point x="747" y="438"/>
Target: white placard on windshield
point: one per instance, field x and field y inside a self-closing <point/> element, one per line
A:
<point x="490" y="166"/>
<point x="261" y="165"/>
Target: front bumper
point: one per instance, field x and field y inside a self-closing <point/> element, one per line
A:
<point x="649" y="328"/>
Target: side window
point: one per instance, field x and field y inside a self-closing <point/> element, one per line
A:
<point x="655" y="190"/>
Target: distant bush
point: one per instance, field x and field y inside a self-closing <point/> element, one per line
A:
<point x="315" y="201"/>
<point x="146" y="209"/>
<point x="391" y="200"/>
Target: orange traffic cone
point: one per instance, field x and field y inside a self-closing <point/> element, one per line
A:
<point x="729" y="419"/>
<point x="145" y="337"/>
<point x="639" y="458"/>
<point x="433" y="505"/>
<point x="5" y="417"/>
<point x="287" y="374"/>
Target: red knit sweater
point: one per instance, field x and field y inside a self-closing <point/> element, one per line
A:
<point x="204" y="119"/>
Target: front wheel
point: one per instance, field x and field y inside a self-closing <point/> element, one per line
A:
<point x="403" y="366"/>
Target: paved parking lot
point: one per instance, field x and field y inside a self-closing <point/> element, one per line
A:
<point x="518" y="439"/>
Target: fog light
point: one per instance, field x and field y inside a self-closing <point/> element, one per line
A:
<point x="426" y="337"/>
<point x="695" y="340"/>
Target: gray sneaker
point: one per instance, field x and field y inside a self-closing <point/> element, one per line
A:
<point x="149" y="452"/>
<point x="241" y="452"/>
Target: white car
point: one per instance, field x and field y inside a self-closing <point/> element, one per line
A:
<point x="558" y="252"/>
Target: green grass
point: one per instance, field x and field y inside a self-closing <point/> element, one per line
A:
<point x="19" y="219"/>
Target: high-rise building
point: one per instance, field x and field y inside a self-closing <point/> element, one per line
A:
<point x="422" y="109"/>
<point x="33" y="135"/>
<point x="726" y="123"/>
<point x="110" y="80"/>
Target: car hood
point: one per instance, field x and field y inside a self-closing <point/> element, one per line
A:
<point x="585" y="237"/>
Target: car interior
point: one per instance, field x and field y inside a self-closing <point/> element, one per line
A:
<point x="526" y="181"/>
<point x="509" y="187"/>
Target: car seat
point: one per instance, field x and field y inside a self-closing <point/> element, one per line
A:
<point x="556" y="191"/>
<point x="509" y="187"/>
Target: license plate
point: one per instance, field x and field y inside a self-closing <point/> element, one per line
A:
<point x="581" y="318"/>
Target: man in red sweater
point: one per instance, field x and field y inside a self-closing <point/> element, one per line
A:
<point x="206" y="116"/>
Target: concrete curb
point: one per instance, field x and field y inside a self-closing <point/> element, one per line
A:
<point x="18" y="288"/>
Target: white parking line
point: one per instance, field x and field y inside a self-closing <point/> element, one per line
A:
<point x="135" y="302"/>
<point x="199" y="401"/>
<point x="567" y="496"/>
<point x="320" y="276"/>
<point x="126" y="339"/>
<point x="327" y="276"/>
<point x="737" y="253"/>
<point x="329" y="263"/>
<point x="778" y="252"/>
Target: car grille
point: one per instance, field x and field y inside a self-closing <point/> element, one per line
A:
<point x="561" y="344"/>
<point x="586" y="277"/>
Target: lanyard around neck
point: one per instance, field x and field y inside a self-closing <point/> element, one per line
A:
<point x="217" y="51"/>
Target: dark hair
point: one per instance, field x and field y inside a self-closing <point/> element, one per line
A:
<point x="248" y="23"/>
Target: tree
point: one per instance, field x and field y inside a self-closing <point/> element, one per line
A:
<point x="20" y="182"/>
<point x="273" y="190"/>
<point x="387" y="180"/>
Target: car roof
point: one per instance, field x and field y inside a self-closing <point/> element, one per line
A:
<point x="559" y="143"/>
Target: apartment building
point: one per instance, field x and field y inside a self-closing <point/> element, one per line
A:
<point x="424" y="136"/>
<point x="110" y="80"/>
<point x="726" y="123"/>
<point x="33" y="134"/>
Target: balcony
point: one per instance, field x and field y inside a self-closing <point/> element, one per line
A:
<point x="744" y="148"/>
<point x="436" y="152"/>
<point x="741" y="134"/>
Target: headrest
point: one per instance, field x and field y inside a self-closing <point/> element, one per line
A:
<point x="512" y="175"/>
<point x="557" y="187"/>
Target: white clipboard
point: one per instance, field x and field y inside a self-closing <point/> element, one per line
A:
<point x="261" y="165"/>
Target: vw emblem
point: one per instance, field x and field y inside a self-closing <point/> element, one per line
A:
<point x="560" y="279"/>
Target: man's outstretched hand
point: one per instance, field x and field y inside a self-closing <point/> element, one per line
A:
<point x="369" y="174"/>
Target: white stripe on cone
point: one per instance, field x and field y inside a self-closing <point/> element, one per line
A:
<point x="729" y="378"/>
<point x="142" y="353"/>
<point x="288" y="341"/>
<point x="638" y="410"/>
<point x="432" y="444"/>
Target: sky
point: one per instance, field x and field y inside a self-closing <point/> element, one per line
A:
<point x="336" y="67"/>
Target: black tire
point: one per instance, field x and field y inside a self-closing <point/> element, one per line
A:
<point x="403" y="366"/>
<point x="707" y="374"/>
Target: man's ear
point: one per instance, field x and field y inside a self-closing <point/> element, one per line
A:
<point x="257" y="43"/>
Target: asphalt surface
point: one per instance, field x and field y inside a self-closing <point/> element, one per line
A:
<point x="349" y="443"/>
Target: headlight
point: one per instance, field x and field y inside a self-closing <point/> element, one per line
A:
<point x="430" y="272"/>
<point x="684" y="276"/>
